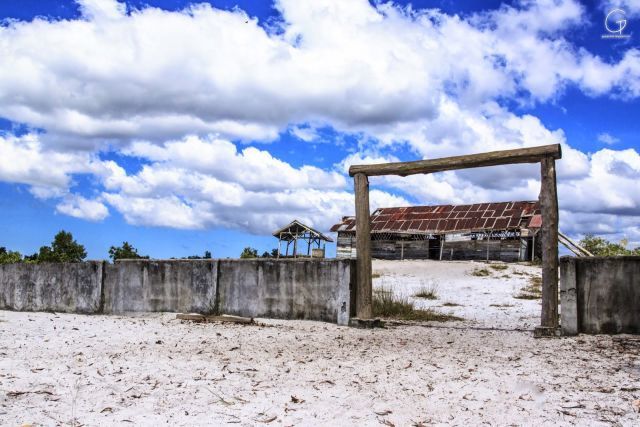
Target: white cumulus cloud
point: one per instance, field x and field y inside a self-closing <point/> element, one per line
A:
<point x="155" y="74"/>
<point x="607" y="138"/>
<point x="178" y="90"/>
<point x="80" y="207"/>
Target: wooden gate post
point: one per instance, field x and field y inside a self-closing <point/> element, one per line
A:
<point x="549" y="208"/>
<point x="363" y="248"/>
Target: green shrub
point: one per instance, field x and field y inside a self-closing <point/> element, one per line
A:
<point x="599" y="246"/>
<point x="9" y="257"/>
<point x="249" y="252"/>
<point x="126" y="251"/>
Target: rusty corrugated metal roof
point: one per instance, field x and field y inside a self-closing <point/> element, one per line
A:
<point x="536" y="221"/>
<point x="442" y="219"/>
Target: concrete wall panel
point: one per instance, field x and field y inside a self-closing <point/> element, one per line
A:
<point x="72" y="287"/>
<point x="607" y="294"/>
<point x="288" y="289"/>
<point x="162" y="285"/>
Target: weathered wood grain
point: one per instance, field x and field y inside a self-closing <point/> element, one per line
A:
<point x="195" y="317"/>
<point x="549" y="208"/>
<point x="363" y="248"/>
<point x="492" y="158"/>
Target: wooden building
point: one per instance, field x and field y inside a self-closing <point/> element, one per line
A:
<point x="507" y="231"/>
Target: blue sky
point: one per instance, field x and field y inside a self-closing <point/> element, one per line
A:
<point x="183" y="127"/>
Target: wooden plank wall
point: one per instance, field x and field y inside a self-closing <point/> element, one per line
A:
<point x="392" y="249"/>
<point x="346" y="245"/>
<point x="499" y="250"/>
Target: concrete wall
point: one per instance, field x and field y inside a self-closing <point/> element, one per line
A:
<point x="600" y="295"/>
<point x="168" y="285"/>
<point x="291" y="289"/>
<point x="73" y="288"/>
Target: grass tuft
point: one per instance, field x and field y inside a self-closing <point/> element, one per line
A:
<point x="524" y="295"/>
<point x="500" y="305"/>
<point x="451" y="304"/>
<point x="533" y="290"/>
<point x="499" y="267"/>
<point x="427" y="291"/>
<point x="375" y="275"/>
<point x="390" y="306"/>
<point x="481" y="272"/>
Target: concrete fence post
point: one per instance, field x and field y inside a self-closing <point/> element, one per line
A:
<point x="568" y="297"/>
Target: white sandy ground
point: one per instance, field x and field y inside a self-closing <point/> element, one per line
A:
<point x="61" y="369"/>
<point x="481" y="299"/>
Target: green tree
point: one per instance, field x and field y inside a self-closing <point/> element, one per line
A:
<point x="272" y="254"/>
<point x="599" y="246"/>
<point x="126" y="251"/>
<point x="207" y="255"/>
<point x="31" y="258"/>
<point x="249" y="252"/>
<point x="62" y="249"/>
<point x="9" y="257"/>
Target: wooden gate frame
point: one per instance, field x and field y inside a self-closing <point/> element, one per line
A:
<point x="546" y="155"/>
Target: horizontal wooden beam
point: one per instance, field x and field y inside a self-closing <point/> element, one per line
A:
<point x="491" y="158"/>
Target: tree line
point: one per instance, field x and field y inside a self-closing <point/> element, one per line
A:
<point x="64" y="248"/>
<point x="250" y="252"/>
